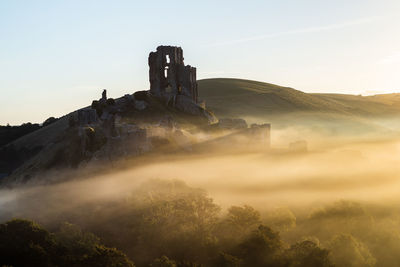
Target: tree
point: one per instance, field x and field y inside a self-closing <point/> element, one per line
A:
<point x="348" y="251"/>
<point x="174" y="220"/>
<point x="25" y="243"/>
<point x="79" y="248"/>
<point x="107" y="257"/>
<point x="238" y="223"/>
<point x="281" y="219"/>
<point x="261" y="248"/>
<point x="49" y="121"/>
<point x="226" y="260"/>
<point x="243" y="217"/>
<point x="307" y="253"/>
<point x="164" y="261"/>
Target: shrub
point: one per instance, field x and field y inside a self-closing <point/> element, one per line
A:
<point x="49" y="121"/>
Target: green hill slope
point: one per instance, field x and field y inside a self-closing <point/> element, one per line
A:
<point x="236" y="97"/>
<point x="327" y="114"/>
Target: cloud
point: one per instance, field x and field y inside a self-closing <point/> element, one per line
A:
<point x="316" y="29"/>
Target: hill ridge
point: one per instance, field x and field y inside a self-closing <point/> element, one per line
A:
<point x="241" y="97"/>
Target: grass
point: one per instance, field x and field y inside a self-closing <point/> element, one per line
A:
<point x="236" y="97"/>
<point x="287" y="107"/>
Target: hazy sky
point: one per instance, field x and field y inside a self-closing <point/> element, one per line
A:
<point x="56" y="56"/>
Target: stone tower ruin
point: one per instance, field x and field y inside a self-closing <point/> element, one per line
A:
<point x="169" y="76"/>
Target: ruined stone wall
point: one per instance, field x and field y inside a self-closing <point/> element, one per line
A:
<point x="86" y="116"/>
<point x="168" y="74"/>
<point x="261" y="134"/>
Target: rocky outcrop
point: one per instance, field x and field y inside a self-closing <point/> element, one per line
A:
<point x="184" y="104"/>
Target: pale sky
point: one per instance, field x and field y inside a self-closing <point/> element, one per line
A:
<point x="57" y="55"/>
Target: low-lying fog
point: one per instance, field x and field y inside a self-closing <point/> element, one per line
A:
<point x="340" y="193"/>
<point x="363" y="171"/>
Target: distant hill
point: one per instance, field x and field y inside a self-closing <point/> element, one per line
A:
<point x="332" y="114"/>
<point x="10" y="133"/>
<point x="237" y="97"/>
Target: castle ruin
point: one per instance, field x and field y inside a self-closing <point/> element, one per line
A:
<point x="169" y="76"/>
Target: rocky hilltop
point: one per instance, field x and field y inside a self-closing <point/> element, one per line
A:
<point x="167" y="118"/>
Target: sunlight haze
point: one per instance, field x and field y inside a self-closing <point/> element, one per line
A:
<point x="56" y="56"/>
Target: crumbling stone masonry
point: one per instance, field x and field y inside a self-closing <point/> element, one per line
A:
<point x="261" y="135"/>
<point x="86" y="116"/>
<point x="169" y="76"/>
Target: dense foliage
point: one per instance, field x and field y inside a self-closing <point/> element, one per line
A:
<point x="10" y="133"/>
<point x="160" y="224"/>
<point x="25" y="243"/>
<point x="167" y="223"/>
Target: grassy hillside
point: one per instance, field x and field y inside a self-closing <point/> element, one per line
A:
<point x="284" y="107"/>
<point x="236" y="97"/>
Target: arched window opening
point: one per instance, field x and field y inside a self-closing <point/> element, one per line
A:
<point x="166" y="72"/>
